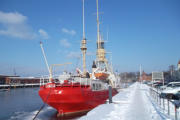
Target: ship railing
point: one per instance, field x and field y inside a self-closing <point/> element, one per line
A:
<point x="46" y="79"/>
<point x="85" y="81"/>
<point x="96" y="84"/>
<point x="57" y="79"/>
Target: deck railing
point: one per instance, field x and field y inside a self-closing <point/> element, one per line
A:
<point x="96" y="84"/>
<point x="169" y="107"/>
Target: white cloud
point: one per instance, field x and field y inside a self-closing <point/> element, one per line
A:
<point x="65" y="43"/>
<point x="15" y="25"/>
<point x="70" y="32"/>
<point x="12" y="18"/>
<point x="43" y="34"/>
<point x="73" y="54"/>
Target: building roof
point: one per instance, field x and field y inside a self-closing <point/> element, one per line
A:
<point x="24" y="78"/>
<point x="17" y="77"/>
<point x="179" y="62"/>
<point x="3" y="76"/>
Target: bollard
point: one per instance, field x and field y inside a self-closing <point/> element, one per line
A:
<point x="168" y="107"/>
<point x="157" y="99"/>
<point x="175" y="112"/>
<point x="163" y="104"/>
<point x="110" y="94"/>
<point x="157" y="95"/>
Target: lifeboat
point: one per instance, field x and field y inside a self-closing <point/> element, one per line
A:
<point x="101" y="75"/>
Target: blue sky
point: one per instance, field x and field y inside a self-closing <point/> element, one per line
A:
<point x="143" y="32"/>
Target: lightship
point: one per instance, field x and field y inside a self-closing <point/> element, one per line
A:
<point x="70" y="94"/>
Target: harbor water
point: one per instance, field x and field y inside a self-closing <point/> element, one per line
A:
<point x="23" y="104"/>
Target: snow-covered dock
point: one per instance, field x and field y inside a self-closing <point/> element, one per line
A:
<point x="132" y="103"/>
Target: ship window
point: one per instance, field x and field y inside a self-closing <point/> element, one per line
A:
<point x="99" y="86"/>
<point x="94" y="87"/>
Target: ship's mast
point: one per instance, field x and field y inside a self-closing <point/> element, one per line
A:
<point x="98" y="32"/>
<point x="100" y="43"/>
<point x="83" y="46"/>
<point x="83" y="23"/>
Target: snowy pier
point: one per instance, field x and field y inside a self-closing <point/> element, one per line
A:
<point x="133" y="103"/>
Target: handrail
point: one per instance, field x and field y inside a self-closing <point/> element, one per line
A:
<point x="158" y="97"/>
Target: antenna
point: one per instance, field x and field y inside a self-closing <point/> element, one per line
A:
<point x="98" y="35"/>
<point x="111" y="64"/>
<point x="107" y="34"/>
<point x="14" y="70"/>
<point x="83" y="22"/>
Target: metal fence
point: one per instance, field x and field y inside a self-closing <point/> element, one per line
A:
<point x="170" y="107"/>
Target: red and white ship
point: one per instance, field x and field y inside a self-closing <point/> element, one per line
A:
<point x="70" y="94"/>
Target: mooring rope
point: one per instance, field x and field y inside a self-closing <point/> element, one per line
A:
<point x="42" y="105"/>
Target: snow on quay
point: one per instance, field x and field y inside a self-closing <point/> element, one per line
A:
<point x="132" y="103"/>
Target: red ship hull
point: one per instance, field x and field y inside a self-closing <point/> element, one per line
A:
<point x="73" y="98"/>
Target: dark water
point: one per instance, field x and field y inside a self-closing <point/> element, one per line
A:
<point x="23" y="104"/>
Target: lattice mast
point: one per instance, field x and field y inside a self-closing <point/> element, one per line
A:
<point x="83" y="46"/>
<point x="100" y="54"/>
